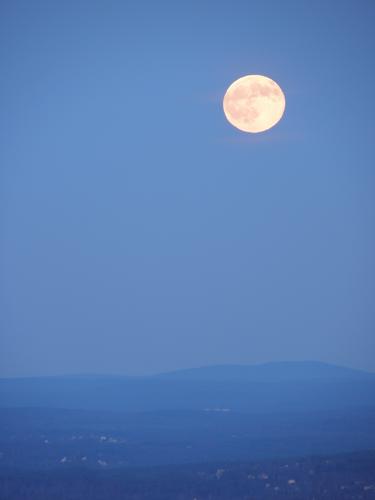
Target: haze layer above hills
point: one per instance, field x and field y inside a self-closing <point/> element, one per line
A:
<point x="266" y="388"/>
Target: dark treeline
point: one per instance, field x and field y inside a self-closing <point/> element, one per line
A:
<point x="340" y="477"/>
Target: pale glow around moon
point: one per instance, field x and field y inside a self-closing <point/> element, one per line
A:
<point x="254" y="103"/>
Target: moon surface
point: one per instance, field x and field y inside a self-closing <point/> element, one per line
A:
<point x="254" y="103"/>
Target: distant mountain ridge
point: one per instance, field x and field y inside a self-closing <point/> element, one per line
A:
<point x="268" y="372"/>
<point x="278" y="371"/>
<point x="306" y="386"/>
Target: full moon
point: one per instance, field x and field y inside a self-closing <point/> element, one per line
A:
<point x="254" y="103"/>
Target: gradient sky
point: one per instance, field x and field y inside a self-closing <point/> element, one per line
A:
<point x="140" y="232"/>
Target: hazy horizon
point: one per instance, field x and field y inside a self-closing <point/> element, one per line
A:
<point x="184" y="368"/>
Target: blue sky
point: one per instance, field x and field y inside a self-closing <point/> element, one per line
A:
<point x="139" y="231"/>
